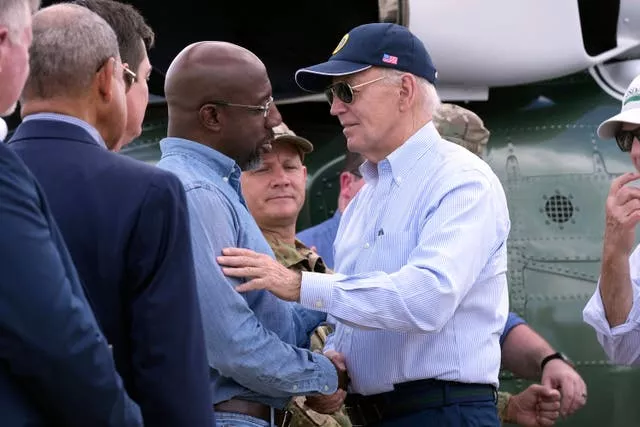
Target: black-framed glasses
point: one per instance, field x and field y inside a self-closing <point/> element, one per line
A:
<point x="344" y="91"/>
<point x="625" y="138"/>
<point x="258" y="108"/>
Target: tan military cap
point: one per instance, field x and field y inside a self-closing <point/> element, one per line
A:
<point x="282" y="133"/>
<point x="461" y="126"/>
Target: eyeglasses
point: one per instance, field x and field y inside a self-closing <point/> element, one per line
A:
<point x="344" y="91"/>
<point x="258" y="108"/>
<point x="625" y="138"/>
<point x="128" y="76"/>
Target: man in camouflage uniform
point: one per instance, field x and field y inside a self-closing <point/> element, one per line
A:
<point x="275" y="194"/>
<point x="462" y="126"/>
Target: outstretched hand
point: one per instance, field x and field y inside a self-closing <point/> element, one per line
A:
<point x="261" y="272"/>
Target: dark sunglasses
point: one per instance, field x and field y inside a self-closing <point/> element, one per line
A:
<point x="625" y="138"/>
<point x="344" y="91"/>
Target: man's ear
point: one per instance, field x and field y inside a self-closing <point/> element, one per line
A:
<point x="346" y="179"/>
<point x="104" y="79"/>
<point x="408" y="91"/>
<point x="211" y="118"/>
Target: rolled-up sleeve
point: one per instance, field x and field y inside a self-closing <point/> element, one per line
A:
<point x="621" y="343"/>
<point x="238" y="345"/>
<point x="513" y="320"/>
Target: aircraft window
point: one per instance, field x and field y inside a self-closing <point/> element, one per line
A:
<point x="559" y="208"/>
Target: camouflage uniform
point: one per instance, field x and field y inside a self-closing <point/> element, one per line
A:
<point x="301" y="258"/>
<point x="465" y="128"/>
<point x="461" y="126"/>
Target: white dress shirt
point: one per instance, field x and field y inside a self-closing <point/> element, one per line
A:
<point x="622" y="342"/>
<point x="421" y="260"/>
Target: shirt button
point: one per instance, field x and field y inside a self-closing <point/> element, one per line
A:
<point x="225" y="179"/>
<point x="326" y="387"/>
<point x="366" y="245"/>
<point x="318" y="304"/>
<point x="399" y="179"/>
<point x="295" y="386"/>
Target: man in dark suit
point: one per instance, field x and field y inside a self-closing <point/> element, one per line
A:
<point x="55" y="365"/>
<point x="125" y="222"/>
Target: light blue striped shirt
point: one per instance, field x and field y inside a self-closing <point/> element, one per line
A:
<point x="421" y="255"/>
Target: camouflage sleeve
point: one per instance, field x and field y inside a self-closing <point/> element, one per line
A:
<point x="503" y="402"/>
<point x="319" y="338"/>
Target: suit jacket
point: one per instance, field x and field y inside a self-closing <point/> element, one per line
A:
<point x="126" y="226"/>
<point x="55" y="366"/>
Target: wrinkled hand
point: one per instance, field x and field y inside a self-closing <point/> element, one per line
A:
<point x="264" y="272"/>
<point x="537" y="406"/>
<point x="328" y="404"/>
<point x="559" y="375"/>
<point x="622" y="211"/>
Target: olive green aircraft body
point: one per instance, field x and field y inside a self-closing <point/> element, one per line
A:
<point x="543" y="144"/>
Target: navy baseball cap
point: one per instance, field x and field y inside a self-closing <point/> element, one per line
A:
<point x="378" y="44"/>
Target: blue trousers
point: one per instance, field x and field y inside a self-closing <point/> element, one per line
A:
<point x="478" y="414"/>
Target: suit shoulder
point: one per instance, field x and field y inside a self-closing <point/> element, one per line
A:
<point x="144" y="171"/>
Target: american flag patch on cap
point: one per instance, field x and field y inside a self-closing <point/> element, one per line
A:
<point x="390" y="59"/>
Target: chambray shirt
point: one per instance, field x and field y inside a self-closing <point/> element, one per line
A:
<point x="253" y="339"/>
<point x="622" y="342"/>
<point x="421" y="256"/>
<point x="322" y="236"/>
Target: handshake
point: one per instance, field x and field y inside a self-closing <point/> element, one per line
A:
<point x="328" y="404"/>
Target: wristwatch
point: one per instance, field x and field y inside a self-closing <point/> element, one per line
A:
<point x="557" y="355"/>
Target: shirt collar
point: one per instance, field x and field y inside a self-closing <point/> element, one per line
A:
<point x="70" y="120"/>
<point x="403" y="158"/>
<point x="223" y="166"/>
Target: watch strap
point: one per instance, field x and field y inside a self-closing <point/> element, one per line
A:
<point x="551" y="357"/>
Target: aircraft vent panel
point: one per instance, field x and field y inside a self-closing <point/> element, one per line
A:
<point x="558" y="208"/>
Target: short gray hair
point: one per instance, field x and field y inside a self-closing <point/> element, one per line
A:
<point x="430" y="96"/>
<point x="70" y="44"/>
<point x="12" y="14"/>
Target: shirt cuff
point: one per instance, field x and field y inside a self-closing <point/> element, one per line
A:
<point x="316" y="290"/>
<point x="594" y="315"/>
<point x="329" y="383"/>
<point x="512" y="321"/>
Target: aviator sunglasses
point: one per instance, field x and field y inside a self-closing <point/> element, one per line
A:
<point x="344" y="91"/>
<point x="624" y="138"/>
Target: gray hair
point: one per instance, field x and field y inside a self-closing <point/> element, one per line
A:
<point x="70" y="44"/>
<point x="430" y="97"/>
<point x="12" y="14"/>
